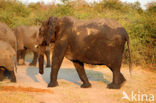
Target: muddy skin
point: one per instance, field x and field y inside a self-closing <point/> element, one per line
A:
<point x="96" y="41"/>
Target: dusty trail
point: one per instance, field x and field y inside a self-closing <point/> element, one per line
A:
<point x="69" y="90"/>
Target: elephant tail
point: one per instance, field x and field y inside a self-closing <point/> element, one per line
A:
<point x="129" y="52"/>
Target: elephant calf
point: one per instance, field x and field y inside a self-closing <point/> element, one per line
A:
<point x="7" y="54"/>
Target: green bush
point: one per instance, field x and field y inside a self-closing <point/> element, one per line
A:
<point x="151" y="7"/>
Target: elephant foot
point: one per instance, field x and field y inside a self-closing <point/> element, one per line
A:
<point x="32" y="64"/>
<point x="6" y="73"/>
<point x="113" y="86"/>
<point x="53" y="84"/>
<point x="13" y="80"/>
<point x="1" y="77"/>
<point x="122" y="79"/>
<point x="86" y="85"/>
<point x="41" y="71"/>
<point x="21" y="64"/>
<point x="48" y="65"/>
<point x="13" y="77"/>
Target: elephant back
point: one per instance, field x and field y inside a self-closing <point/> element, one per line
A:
<point x="6" y="34"/>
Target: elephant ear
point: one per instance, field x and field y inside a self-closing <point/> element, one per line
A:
<point x="52" y="27"/>
<point x="52" y="23"/>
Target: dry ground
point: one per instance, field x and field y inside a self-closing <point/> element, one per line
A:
<point x="31" y="87"/>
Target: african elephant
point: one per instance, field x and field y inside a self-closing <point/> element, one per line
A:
<point x="26" y="37"/>
<point x="6" y="34"/>
<point x="96" y="41"/>
<point x="7" y="60"/>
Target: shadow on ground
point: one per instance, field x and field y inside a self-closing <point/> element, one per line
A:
<point x="68" y="74"/>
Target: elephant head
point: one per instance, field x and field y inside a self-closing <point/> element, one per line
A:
<point x="47" y="32"/>
<point x="47" y="36"/>
<point x="50" y="31"/>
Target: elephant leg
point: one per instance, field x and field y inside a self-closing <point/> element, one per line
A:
<point x="6" y="72"/>
<point x="13" y="77"/>
<point x="21" y="61"/>
<point x="23" y="53"/>
<point x="41" y="64"/>
<point x="81" y="72"/>
<point x="18" y="55"/>
<point x="122" y="78"/>
<point x="58" y="55"/>
<point x="33" y="63"/>
<point x="47" y="53"/>
<point x="118" y="78"/>
<point x="1" y="74"/>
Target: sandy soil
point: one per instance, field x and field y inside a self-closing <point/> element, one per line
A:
<point x="31" y="85"/>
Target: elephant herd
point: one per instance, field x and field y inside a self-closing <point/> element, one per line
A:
<point x="95" y="41"/>
<point x="14" y="43"/>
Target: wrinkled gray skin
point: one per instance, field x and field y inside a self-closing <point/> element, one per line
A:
<point x="96" y="41"/>
<point x="7" y="54"/>
<point x="26" y="37"/>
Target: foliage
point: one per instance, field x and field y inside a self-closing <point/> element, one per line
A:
<point x="140" y="24"/>
<point x="151" y="7"/>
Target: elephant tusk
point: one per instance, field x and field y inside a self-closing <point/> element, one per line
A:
<point x="36" y="46"/>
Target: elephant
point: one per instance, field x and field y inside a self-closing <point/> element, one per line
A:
<point x="26" y="37"/>
<point x="6" y="34"/>
<point x="7" y="60"/>
<point x="95" y="41"/>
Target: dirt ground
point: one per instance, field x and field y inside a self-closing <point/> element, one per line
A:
<point x="31" y="87"/>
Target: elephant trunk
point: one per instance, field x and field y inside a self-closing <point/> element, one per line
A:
<point x="41" y="63"/>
